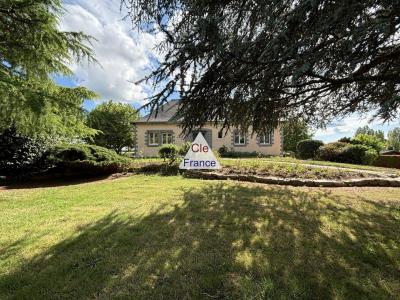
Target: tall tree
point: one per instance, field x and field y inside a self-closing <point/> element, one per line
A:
<point x="114" y="121"/>
<point x="369" y="131"/>
<point x="394" y="139"/>
<point x="294" y="131"/>
<point x="253" y="63"/>
<point x="32" y="50"/>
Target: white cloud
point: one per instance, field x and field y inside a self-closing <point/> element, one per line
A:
<point x="348" y="126"/>
<point x="125" y="55"/>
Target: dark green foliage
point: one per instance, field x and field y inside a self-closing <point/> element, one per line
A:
<point x="169" y="152"/>
<point x="347" y="153"/>
<point x="388" y="161"/>
<point x="255" y="63"/>
<point x="222" y="151"/>
<point x="81" y="152"/>
<point x="294" y="131"/>
<point x="32" y="51"/>
<point x="20" y="155"/>
<point x="115" y="123"/>
<point x="307" y="149"/>
<point x="354" y="154"/>
<point x="331" y="151"/>
<point x="85" y="160"/>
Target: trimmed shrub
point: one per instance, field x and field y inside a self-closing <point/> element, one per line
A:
<point x="223" y="150"/>
<point x="86" y="160"/>
<point x="331" y="151"/>
<point x="388" y="161"/>
<point x="168" y="151"/>
<point x="307" y="149"/>
<point x="84" y="152"/>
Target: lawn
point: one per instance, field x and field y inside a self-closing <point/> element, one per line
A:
<point x="154" y="237"/>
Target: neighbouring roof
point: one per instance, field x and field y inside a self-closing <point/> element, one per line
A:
<point x="166" y="113"/>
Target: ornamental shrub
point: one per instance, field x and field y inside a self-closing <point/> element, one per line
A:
<point x="168" y="151"/>
<point x="307" y="149"/>
<point x="85" y="160"/>
<point x="20" y="155"/>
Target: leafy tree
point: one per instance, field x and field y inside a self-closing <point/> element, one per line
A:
<point x="369" y="131"/>
<point x="371" y="141"/>
<point x="253" y="63"/>
<point x="394" y="139"/>
<point x="114" y="120"/>
<point x="294" y="131"/>
<point x="32" y="50"/>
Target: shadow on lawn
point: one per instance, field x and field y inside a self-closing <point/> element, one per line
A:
<point x="224" y="242"/>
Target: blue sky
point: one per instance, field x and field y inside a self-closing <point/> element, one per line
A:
<point x="126" y="56"/>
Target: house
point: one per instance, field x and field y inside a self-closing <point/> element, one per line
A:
<point x="162" y="127"/>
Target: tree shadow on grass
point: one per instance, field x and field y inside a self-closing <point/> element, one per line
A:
<point x="224" y="242"/>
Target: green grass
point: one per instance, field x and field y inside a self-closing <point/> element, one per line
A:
<point x="153" y="237"/>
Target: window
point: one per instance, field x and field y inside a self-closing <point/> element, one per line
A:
<point x="239" y="139"/>
<point x="265" y="139"/>
<point x="154" y="138"/>
<point x="166" y="138"/>
<point x="220" y="134"/>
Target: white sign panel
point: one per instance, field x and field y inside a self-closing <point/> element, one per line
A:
<point x="199" y="156"/>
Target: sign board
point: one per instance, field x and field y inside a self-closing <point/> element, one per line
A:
<point x="199" y="156"/>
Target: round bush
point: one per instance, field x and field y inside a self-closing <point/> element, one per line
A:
<point x="168" y="151"/>
<point x="307" y="149"/>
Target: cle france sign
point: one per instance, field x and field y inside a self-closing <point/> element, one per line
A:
<point x="199" y="156"/>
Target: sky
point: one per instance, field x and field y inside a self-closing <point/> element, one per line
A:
<point x="126" y="56"/>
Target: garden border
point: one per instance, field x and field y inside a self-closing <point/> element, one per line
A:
<point x="371" y="182"/>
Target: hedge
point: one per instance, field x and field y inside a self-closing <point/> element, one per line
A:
<point x="388" y="161"/>
<point x="347" y="153"/>
<point x="307" y="149"/>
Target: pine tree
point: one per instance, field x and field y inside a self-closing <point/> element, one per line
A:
<point x="32" y="50"/>
<point x="254" y="63"/>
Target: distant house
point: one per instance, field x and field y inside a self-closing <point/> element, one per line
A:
<point x="154" y="130"/>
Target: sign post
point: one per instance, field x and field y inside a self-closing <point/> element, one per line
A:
<point x="199" y="156"/>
